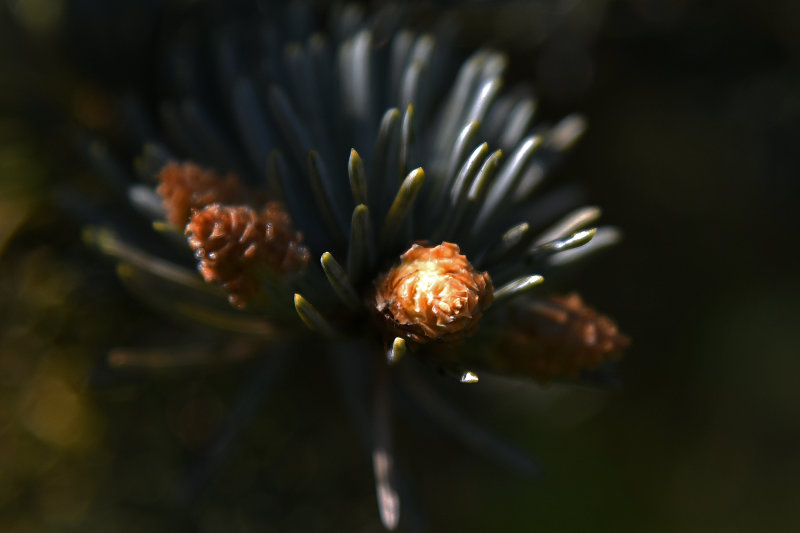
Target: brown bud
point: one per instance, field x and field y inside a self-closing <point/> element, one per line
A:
<point x="434" y="293"/>
<point x="232" y="243"/>
<point x="187" y="186"/>
<point x="558" y="337"/>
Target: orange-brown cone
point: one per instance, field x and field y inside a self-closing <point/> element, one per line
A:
<point x="557" y="337"/>
<point x="232" y="243"/>
<point x="186" y="187"/>
<point x="434" y="293"/>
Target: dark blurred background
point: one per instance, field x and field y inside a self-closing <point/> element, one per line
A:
<point x="694" y="118"/>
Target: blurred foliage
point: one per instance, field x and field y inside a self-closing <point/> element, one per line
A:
<point x="694" y="112"/>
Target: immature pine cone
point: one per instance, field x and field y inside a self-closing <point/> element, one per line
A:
<point x="233" y="243"/>
<point x="434" y="293"/>
<point x="558" y="337"/>
<point x="188" y="186"/>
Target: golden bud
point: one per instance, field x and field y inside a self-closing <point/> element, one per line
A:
<point x="434" y="293"/>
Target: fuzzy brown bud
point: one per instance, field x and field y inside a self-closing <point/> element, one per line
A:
<point x="559" y="336"/>
<point x="434" y="293"/>
<point x="188" y="186"/>
<point x="232" y="243"/>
